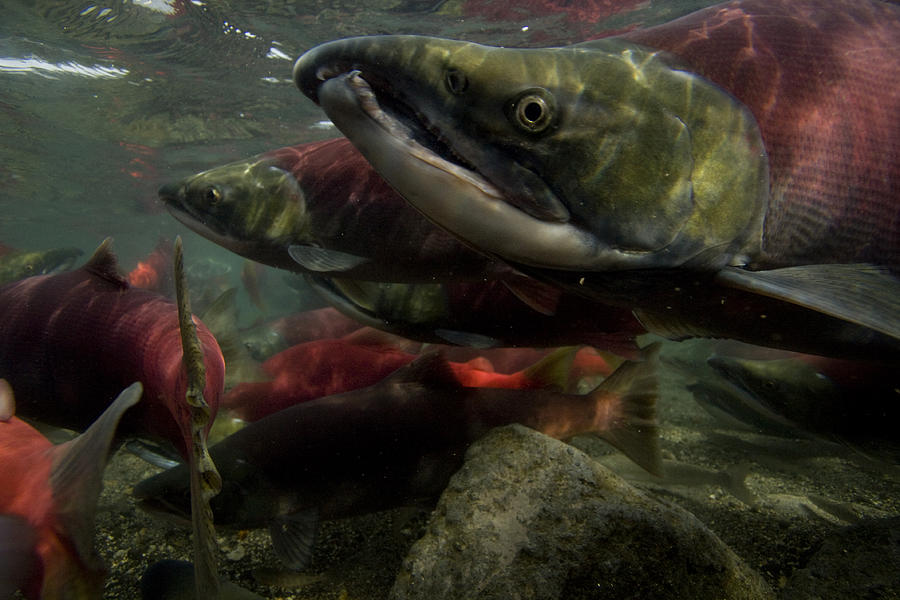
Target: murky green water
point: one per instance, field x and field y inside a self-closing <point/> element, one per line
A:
<point x="103" y="103"/>
<point x="100" y="104"/>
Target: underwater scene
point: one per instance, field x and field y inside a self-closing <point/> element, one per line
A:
<point x="450" y="299"/>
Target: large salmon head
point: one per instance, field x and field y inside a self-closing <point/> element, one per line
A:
<point x="600" y="156"/>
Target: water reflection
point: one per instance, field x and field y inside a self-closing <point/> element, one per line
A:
<point x="50" y="70"/>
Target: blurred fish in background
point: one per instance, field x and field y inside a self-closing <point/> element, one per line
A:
<point x="339" y="365"/>
<point x="19" y="264"/>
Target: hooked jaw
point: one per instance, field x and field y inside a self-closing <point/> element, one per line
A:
<point x="595" y="157"/>
<point x="453" y="195"/>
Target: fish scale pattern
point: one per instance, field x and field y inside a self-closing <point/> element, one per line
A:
<point x="824" y="85"/>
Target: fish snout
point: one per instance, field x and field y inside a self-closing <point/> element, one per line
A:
<point x="170" y="192"/>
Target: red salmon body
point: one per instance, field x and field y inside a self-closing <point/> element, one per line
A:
<point x="48" y="498"/>
<point x="327" y="367"/>
<point x="308" y="371"/>
<point x="70" y="342"/>
<point x="821" y="80"/>
<point x="155" y="271"/>
<point x="27" y="457"/>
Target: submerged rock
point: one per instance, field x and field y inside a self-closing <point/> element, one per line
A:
<point x="860" y="561"/>
<point x="528" y="516"/>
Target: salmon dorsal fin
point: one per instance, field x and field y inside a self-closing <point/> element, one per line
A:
<point x="76" y="476"/>
<point x="552" y="371"/>
<point x="431" y="370"/>
<point x="104" y="265"/>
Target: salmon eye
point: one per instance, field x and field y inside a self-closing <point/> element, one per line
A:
<point x="213" y="195"/>
<point x="456" y="81"/>
<point x="533" y="111"/>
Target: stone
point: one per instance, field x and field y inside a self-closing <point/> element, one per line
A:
<point x="529" y="517"/>
<point x="861" y="561"/>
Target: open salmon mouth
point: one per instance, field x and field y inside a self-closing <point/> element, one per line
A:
<point x="397" y="117"/>
<point x="495" y="171"/>
<point x="404" y="123"/>
<point x="425" y="145"/>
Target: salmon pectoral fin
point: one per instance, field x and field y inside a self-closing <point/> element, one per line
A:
<point x="538" y="296"/>
<point x="864" y="294"/>
<point x="77" y="474"/>
<point x="76" y="479"/>
<point x="323" y="260"/>
<point x="467" y="338"/>
<point x="294" y="537"/>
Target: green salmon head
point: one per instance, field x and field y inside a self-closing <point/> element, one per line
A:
<point x="252" y="207"/>
<point x="598" y="156"/>
<point x="783" y="385"/>
<point x="20" y="264"/>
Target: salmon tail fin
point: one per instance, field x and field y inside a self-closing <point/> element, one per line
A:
<point x="634" y="429"/>
<point x="76" y="478"/>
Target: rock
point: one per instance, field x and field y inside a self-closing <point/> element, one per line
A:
<point x="528" y="516"/>
<point x="236" y="553"/>
<point x="857" y="562"/>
